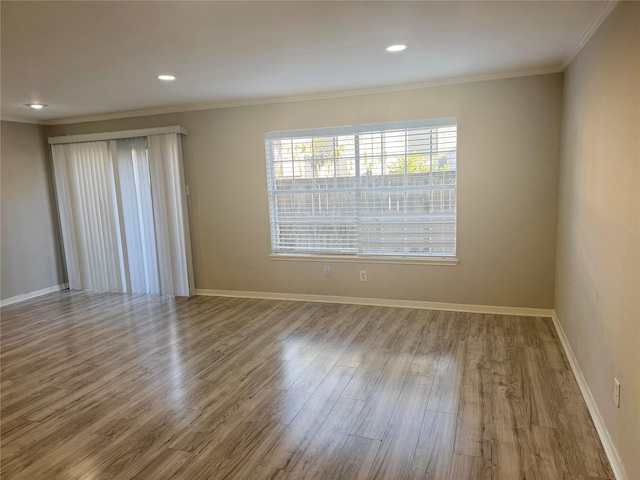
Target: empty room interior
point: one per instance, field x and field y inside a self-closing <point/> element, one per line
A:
<point x="236" y="243"/>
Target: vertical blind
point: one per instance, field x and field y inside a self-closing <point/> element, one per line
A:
<point x="123" y="214"/>
<point x="381" y="189"/>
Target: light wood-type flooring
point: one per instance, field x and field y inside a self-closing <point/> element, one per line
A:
<point x="103" y="386"/>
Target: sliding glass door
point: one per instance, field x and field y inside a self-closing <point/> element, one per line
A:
<point x="123" y="214"/>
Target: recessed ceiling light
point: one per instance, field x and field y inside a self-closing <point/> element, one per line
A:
<point x="396" y="48"/>
<point x="36" y="106"/>
<point x="166" y="78"/>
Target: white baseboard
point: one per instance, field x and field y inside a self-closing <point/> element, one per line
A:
<point x="603" y="433"/>
<point x="455" y="307"/>
<point x="30" y="295"/>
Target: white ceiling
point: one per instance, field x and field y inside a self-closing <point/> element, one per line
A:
<point x="96" y="58"/>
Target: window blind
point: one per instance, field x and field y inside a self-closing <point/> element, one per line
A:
<point x="381" y="189"/>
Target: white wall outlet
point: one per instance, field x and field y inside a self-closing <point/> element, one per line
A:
<point x="616" y="392"/>
<point x="363" y="275"/>
<point x="327" y="270"/>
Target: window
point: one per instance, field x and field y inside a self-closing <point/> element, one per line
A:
<point x="368" y="190"/>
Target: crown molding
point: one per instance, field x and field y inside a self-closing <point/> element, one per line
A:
<point x="32" y="121"/>
<point x="606" y="9"/>
<point x="307" y="97"/>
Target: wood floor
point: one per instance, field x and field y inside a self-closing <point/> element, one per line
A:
<point x="102" y="386"/>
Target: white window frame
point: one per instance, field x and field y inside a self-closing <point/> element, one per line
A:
<point x="439" y="257"/>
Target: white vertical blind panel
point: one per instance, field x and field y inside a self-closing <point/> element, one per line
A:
<point x="65" y="200"/>
<point x="133" y="169"/>
<point x="120" y="226"/>
<point x="144" y="204"/>
<point x="88" y="213"/>
<point x="93" y="161"/>
<point x="165" y="165"/>
<point x="163" y="243"/>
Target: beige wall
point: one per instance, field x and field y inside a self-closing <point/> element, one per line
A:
<point x="598" y="249"/>
<point x="31" y="258"/>
<point x="508" y="159"/>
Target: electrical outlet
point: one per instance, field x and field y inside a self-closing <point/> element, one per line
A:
<point x="327" y="270"/>
<point x="616" y="392"/>
<point x="363" y="275"/>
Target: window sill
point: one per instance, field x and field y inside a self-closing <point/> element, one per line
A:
<point x="399" y="260"/>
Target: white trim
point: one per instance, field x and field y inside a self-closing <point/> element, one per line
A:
<point x="606" y="9"/>
<point x="32" y="121"/>
<point x="30" y="295"/>
<point x="398" y="260"/>
<point x="609" y="448"/>
<point x="307" y="97"/>
<point x="95" y="137"/>
<point x="381" y="302"/>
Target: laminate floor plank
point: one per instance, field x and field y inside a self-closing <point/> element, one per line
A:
<point x="544" y="396"/>
<point x="434" y="450"/>
<point x="353" y="319"/>
<point x="111" y="386"/>
<point x="296" y="363"/>
<point x="371" y="338"/>
<point x="311" y="379"/>
<point x="447" y="382"/>
<point x="380" y="405"/>
<point x="355" y="459"/>
<point x="465" y="467"/>
<point x="474" y="421"/>
<point x="268" y="473"/>
<point x="406" y="337"/>
<point x="14" y="430"/>
<point x="577" y="426"/>
<point x="367" y="375"/>
<point x="397" y="449"/>
<point x="506" y="454"/>
<point x="540" y="456"/>
<point x="299" y="433"/>
<point x="449" y="344"/>
<point x="426" y="357"/>
<point x="29" y="405"/>
<point x="164" y="466"/>
<point x="321" y="455"/>
<point x="137" y="447"/>
<point x="59" y="462"/>
<point x="235" y="457"/>
<point x="39" y="442"/>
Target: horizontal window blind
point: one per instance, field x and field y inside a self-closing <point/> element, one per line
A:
<point x="382" y="189"/>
